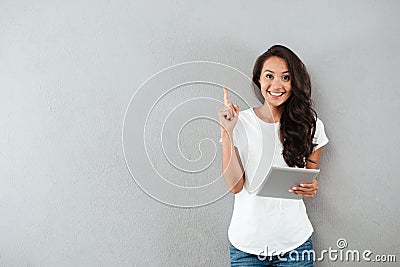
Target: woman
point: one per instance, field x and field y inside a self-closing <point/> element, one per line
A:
<point x="272" y="231"/>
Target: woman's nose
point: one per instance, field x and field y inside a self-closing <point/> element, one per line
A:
<point x="276" y="83"/>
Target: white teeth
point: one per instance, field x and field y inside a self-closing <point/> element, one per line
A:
<point x="276" y="94"/>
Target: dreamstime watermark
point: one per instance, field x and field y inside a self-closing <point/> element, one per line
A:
<point x="341" y="254"/>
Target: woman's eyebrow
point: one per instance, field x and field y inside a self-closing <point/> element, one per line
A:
<point x="274" y="72"/>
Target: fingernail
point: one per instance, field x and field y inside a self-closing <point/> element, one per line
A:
<point x="294" y="188"/>
<point x="290" y="190"/>
<point x="301" y="184"/>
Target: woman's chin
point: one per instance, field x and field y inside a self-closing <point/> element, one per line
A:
<point x="274" y="103"/>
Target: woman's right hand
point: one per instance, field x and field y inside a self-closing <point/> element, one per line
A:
<point x="228" y="114"/>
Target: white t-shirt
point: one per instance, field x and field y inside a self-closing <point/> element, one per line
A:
<point x="264" y="224"/>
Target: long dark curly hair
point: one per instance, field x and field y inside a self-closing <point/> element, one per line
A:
<point x="298" y="120"/>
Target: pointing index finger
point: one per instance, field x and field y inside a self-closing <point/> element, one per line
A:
<point x="226" y="100"/>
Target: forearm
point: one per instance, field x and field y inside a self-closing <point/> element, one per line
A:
<point x="232" y="169"/>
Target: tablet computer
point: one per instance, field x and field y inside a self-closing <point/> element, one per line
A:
<point x="280" y="179"/>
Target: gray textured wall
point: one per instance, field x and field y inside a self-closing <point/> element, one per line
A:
<point x="69" y="68"/>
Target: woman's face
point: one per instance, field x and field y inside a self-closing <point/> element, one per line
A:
<point x="275" y="81"/>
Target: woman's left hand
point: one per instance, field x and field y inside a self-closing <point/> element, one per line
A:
<point x="307" y="190"/>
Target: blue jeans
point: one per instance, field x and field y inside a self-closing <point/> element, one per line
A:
<point x="301" y="256"/>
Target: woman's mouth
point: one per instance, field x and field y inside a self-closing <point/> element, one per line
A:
<point x="276" y="94"/>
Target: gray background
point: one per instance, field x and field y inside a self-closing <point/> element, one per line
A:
<point x="69" y="68"/>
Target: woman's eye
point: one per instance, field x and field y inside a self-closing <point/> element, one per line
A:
<point x="286" y="78"/>
<point x="268" y="76"/>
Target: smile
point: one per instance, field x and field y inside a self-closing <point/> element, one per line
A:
<point x="276" y="95"/>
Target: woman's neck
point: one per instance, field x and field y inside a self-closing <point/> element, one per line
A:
<point x="264" y="112"/>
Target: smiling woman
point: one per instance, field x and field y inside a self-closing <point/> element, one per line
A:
<point x="264" y="226"/>
<point x="284" y="87"/>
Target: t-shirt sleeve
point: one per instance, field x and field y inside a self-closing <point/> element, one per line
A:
<point x="320" y="137"/>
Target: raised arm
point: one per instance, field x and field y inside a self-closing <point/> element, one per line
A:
<point x="232" y="168"/>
